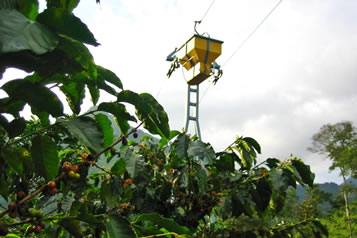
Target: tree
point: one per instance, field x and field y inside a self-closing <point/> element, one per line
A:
<point x="336" y="221"/>
<point x="311" y="206"/>
<point x="65" y="175"/>
<point x="339" y="143"/>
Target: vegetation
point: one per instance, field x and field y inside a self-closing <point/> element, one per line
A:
<point x="339" y="143"/>
<point x="51" y="180"/>
<point x="337" y="224"/>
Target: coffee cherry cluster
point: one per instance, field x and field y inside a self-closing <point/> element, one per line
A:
<point x="36" y="228"/>
<point x="86" y="158"/>
<point x="70" y="170"/>
<point x="125" y="208"/>
<point x="51" y="188"/>
<point x="15" y="209"/>
<point x="127" y="183"/>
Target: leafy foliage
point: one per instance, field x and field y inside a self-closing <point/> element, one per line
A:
<point x="339" y="142"/>
<point x="64" y="175"/>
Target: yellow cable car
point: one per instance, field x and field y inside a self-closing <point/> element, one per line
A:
<point x="197" y="55"/>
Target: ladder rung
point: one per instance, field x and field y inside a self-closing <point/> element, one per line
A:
<point x="193" y="104"/>
<point x="193" y="90"/>
<point x="192" y="118"/>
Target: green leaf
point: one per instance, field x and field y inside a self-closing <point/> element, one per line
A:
<point x="16" y="127"/>
<point x="319" y="226"/>
<point x="108" y="197"/>
<point x="55" y="61"/>
<point x="80" y="53"/>
<point x="118" y="168"/>
<point x="277" y="201"/>
<point x="72" y="226"/>
<point x="135" y="165"/>
<point x="129" y="97"/>
<point x="4" y="122"/>
<point x="28" y="8"/>
<point x="272" y="162"/>
<point x="94" y="92"/>
<point x="201" y="175"/>
<point x="87" y="217"/>
<point x="252" y="143"/>
<point x="202" y="150"/>
<point x="8" y="4"/>
<point x="35" y="95"/>
<point x="304" y="170"/>
<point x="26" y="159"/>
<point x="67" y="203"/>
<point x="45" y="157"/>
<point x="74" y="92"/>
<point x="279" y="182"/>
<point x="181" y="144"/>
<point x="149" y="111"/>
<point x="107" y="75"/>
<point x="86" y="130"/>
<point x="13" y="158"/>
<point x="116" y="183"/>
<point x="156" y="120"/>
<point x="261" y="194"/>
<point x="69" y="5"/>
<point x="18" y="33"/>
<point x="102" y="85"/>
<point x="9" y="235"/>
<point x="11" y="106"/>
<point x="64" y="22"/>
<point x="164" y="141"/>
<point x="168" y="223"/>
<point x="245" y="158"/>
<point x="119" y="227"/>
<point x="225" y="162"/>
<point x="106" y="125"/>
<point x="121" y="116"/>
<point x="4" y="187"/>
<point x="43" y="116"/>
<point x="225" y="208"/>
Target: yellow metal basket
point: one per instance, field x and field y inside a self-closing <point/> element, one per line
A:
<point x="196" y="56"/>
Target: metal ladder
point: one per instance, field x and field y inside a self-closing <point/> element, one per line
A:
<point x="192" y="115"/>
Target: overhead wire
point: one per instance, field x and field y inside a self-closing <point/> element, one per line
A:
<point x="208" y="9"/>
<point x="199" y="22"/>
<point x="252" y="33"/>
<point x="245" y="41"/>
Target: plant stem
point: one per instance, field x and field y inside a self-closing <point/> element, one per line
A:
<point x="103" y="169"/>
<point x="18" y="223"/>
<point x="117" y="142"/>
<point x="28" y="197"/>
<point x="164" y="234"/>
<point x="30" y="134"/>
<point x="42" y="129"/>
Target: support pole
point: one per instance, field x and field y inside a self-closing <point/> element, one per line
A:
<point x="192" y="115"/>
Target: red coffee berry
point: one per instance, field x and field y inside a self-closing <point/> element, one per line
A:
<point x="51" y="184"/>
<point x="52" y="191"/>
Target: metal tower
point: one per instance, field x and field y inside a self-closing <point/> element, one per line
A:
<point x="197" y="56"/>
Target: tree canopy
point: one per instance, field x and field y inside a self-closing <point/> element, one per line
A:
<point x="339" y="143"/>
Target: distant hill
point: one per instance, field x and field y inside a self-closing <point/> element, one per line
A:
<point x="331" y="188"/>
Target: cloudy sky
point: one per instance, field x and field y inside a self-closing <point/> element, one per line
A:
<point x="295" y="74"/>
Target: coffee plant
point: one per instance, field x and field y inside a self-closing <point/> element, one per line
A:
<point x="67" y="175"/>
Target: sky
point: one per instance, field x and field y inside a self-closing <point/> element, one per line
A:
<point x="295" y="74"/>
